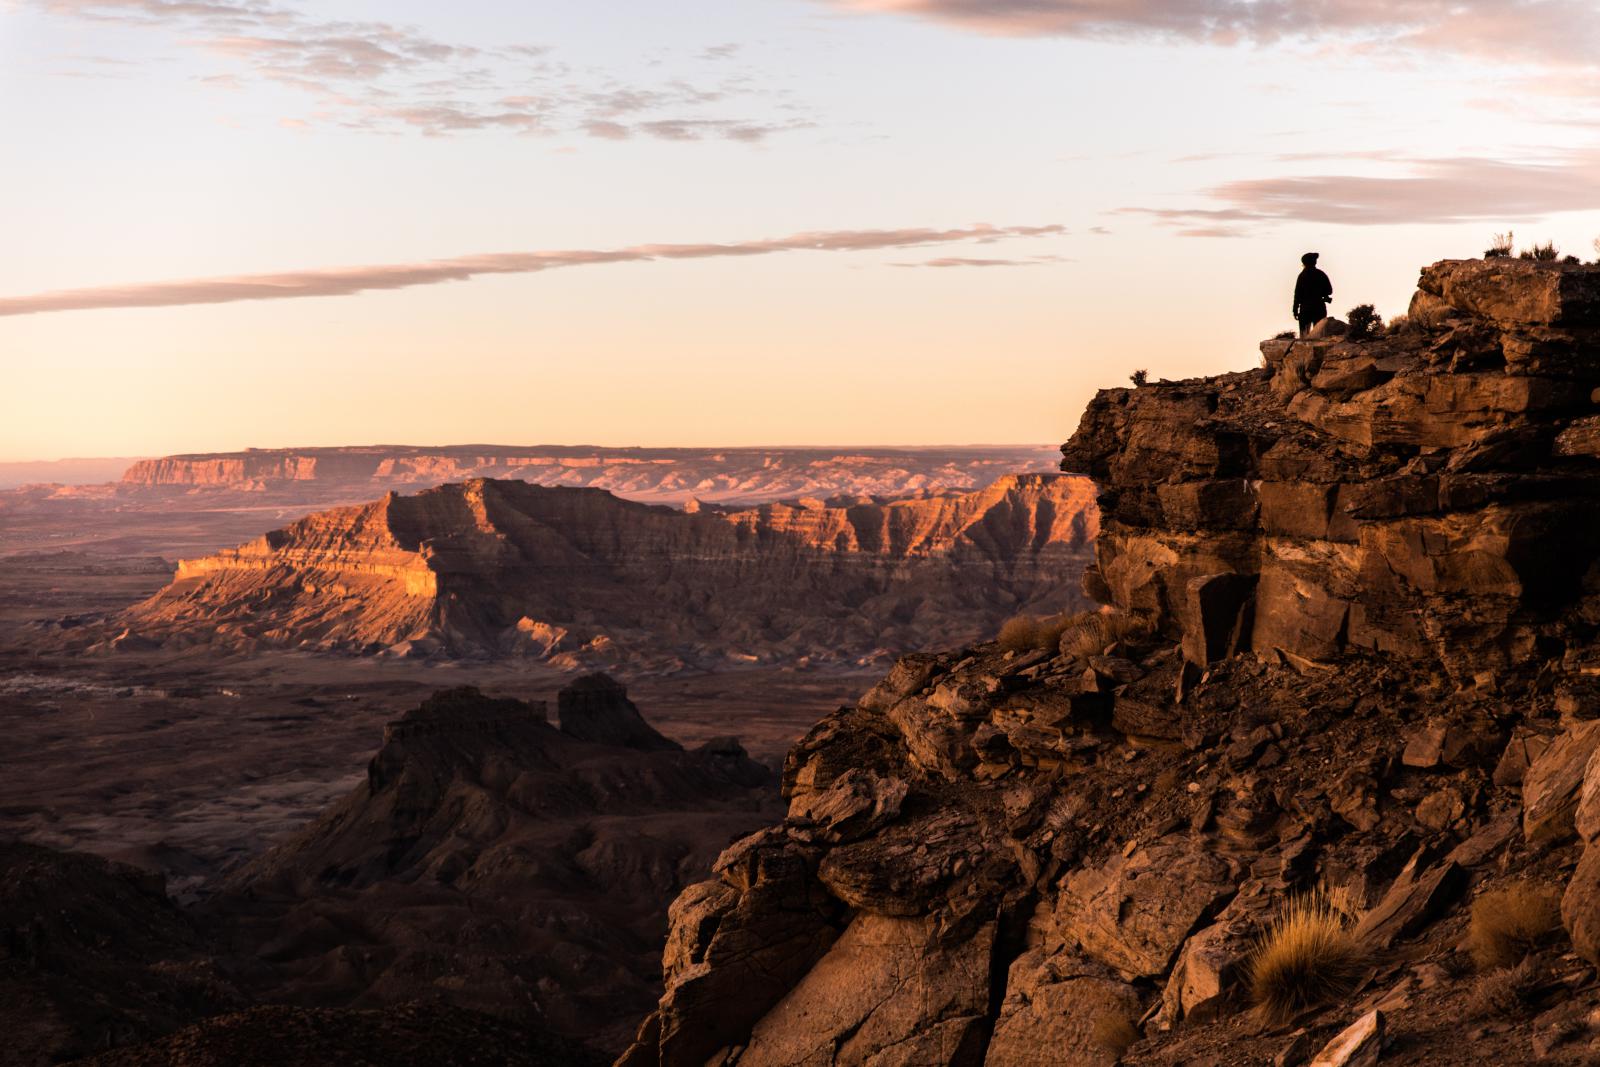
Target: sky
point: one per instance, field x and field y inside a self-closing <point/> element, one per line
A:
<point x="262" y="223"/>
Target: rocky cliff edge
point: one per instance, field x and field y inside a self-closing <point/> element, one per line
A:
<point x="1356" y="658"/>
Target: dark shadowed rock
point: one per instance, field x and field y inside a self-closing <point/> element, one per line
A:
<point x="499" y="863"/>
<point x="93" y="955"/>
<point x="596" y="708"/>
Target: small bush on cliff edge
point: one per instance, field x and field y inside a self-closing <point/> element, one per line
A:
<point x="1025" y="633"/>
<point x="1545" y="253"/>
<point x="1090" y="633"/>
<point x="1510" y="922"/>
<point x="1139" y="377"/>
<point x="1309" y="956"/>
<point x="1364" y="322"/>
<point x="1499" y="245"/>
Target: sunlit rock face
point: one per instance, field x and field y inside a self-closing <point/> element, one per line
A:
<point x="653" y="475"/>
<point x="578" y="576"/>
<point x="1432" y="492"/>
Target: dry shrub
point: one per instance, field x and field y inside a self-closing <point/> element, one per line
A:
<point x="1115" y="1033"/>
<point x="1092" y="632"/>
<point x="1510" y="922"/>
<point x="1506" y="991"/>
<point x="1024" y="633"/>
<point x="1310" y="955"/>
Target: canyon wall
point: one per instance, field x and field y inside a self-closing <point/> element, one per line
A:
<point x="656" y="475"/>
<point x="490" y="568"/>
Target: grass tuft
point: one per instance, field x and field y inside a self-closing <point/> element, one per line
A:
<point x="1309" y="956"/>
<point x="1506" y="991"/>
<point x="1510" y="922"/>
<point x="1024" y="633"/>
<point x="1092" y="632"/>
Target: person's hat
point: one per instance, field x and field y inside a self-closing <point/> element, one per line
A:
<point x="1310" y="258"/>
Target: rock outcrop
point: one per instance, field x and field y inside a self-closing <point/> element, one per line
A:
<point x="1431" y="494"/>
<point x="578" y="576"/>
<point x="499" y="864"/>
<point x="1352" y="654"/>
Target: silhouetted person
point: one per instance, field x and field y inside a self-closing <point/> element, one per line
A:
<point x="1312" y="291"/>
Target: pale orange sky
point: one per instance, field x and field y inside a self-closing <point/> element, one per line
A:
<point x="1156" y="167"/>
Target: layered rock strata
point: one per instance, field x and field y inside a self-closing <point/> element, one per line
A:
<point x="494" y="568"/>
<point x="1431" y="494"/>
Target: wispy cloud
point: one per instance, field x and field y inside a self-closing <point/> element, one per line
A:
<point x="1565" y="31"/>
<point x="347" y="281"/>
<point x="387" y="77"/>
<point x="1462" y="189"/>
<point x="974" y="261"/>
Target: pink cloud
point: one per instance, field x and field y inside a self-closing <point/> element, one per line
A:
<point x="347" y="281"/>
<point x="1566" y="31"/>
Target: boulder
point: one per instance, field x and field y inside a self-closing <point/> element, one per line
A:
<point x="1053" y="1004"/>
<point x="1516" y="291"/>
<point x="1358" y="1045"/>
<point x="1552" y="784"/>
<point x="737" y="944"/>
<point x="1415" y="898"/>
<point x="883" y="994"/>
<point x="855" y="805"/>
<point x="1580" y="906"/>
<point x="1213" y="961"/>
<point x="1136" y="910"/>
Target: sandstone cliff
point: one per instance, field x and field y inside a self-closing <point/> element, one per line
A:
<point x="655" y="475"/>
<point x="1429" y="494"/>
<point x="506" y="568"/>
<point x="1357" y="655"/>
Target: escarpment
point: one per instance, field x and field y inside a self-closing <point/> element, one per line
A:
<point x="1432" y="493"/>
<point x="504" y="568"/>
<point x="1351" y="659"/>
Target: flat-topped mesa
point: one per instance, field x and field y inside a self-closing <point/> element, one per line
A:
<point x="579" y="576"/>
<point x="1431" y="493"/>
